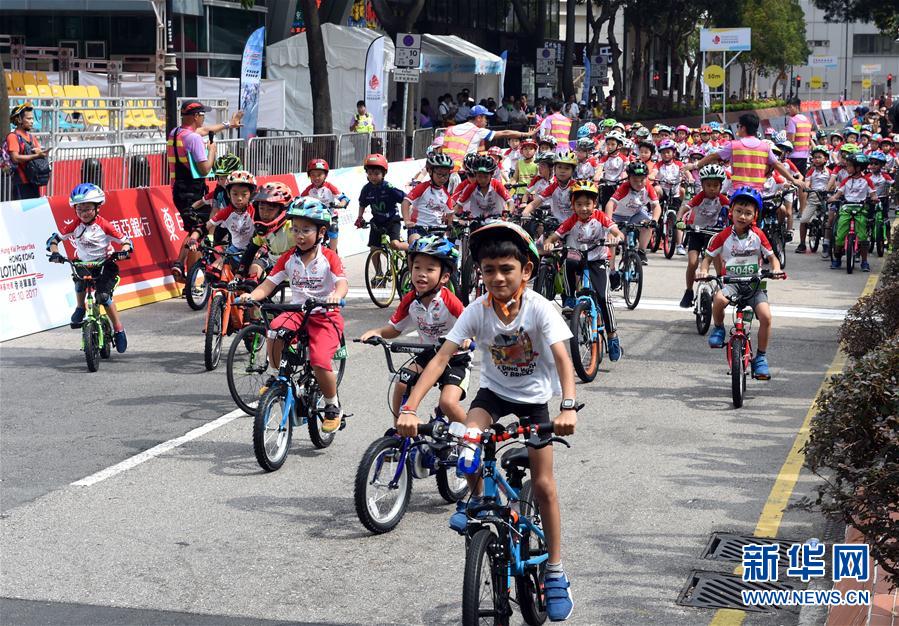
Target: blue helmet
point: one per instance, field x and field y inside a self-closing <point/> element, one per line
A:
<point x="86" y="192"/>
<point x="747" y="193"/>
<point x="310" y="209"/>
<point x="437" y="247"/>
<point x="877" y="155"/>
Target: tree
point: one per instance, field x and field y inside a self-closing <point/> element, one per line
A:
<point x="568" y="61"/>
<point x="882" y="12"/>
<point x="778" y="37"/>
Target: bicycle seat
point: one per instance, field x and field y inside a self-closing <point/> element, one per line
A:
<point x="517" y="457"/>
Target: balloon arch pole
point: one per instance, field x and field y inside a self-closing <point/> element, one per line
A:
<point x="723" y="91"/>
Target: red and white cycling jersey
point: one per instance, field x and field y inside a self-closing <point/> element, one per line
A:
<point x="841" y="173"/>
<point x="429" y="204"/>
<point x="613" y="167"/>
<point x="817" y="178"/>
<point x="882" y="182"/>
<point x="537" y="184"/>
<point x="240" y="225"/>
<point x="559" y="199"/>
<point x="316" y="280"/>
<point x="856" y="188"/>
<point x="432" y="321"/>
<point x="628" y="202"/>
<point x="704" y="212"/>
<point x="484" y="204"/>
<point x="92" y="241"/>
<point x="589" y="233"/>
<point x="740" y="255"/>
<point x="326" y="194"/>
<point x="586" y="168"/>
<point x="670" y="176"/>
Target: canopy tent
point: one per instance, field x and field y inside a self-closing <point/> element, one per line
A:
<point x="448" y="65"/>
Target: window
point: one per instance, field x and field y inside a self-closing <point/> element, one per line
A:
<point x="818" y="43"/>
<point x="874" y="45"/>
<point x="231" y="27"/>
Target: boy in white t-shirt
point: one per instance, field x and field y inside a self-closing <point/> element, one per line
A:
<point x="523" y="339"/>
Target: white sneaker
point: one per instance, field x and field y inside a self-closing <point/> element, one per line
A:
<point x="680" y="250"/>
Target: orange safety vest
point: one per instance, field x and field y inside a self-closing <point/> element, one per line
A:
<point x="802" y="138"/>
<point x="456" y="141"/>
<point x="178" y="157"/>
<point x="749" y="164"/>
<point x="560" y="128"/>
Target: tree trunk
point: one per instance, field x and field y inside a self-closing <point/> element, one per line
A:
<point x="522" y="16"/>
<point x="616" y="62"/>
<point x="322" y="123"/>
<point x="568" y="62"/>
<point x="742" y="80"/>
<point x="392" y="22"/>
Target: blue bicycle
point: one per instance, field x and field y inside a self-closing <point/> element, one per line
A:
<point x="631" y="265"/>
<point x="588" y="341"/>
<point x="504" y="538"/>
<point x="383" y="483"/>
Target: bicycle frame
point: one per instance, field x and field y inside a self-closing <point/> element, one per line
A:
<point x="741" y="329"/>
<point x="587" y="294"/>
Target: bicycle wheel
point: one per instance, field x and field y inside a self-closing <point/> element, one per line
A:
<point x="380" y="506"/>
<point x="404" y="282"/>
<point x="90" y="337"/>
<point x="529" y="587"/>
<point x="196" y="289"/>
<point x="246" y="367"/>
<point x="380" y="278"/>
<point x="315" y="405"/>
<point x="656" y="238"/>
<point x="468" y="279"/>
<point x="544" y="284"/>
<point x="632" y="279"/>
<point x="849" y="249"/>
<point x="704" y="314"/>
<point x="450" y="486"/>
<point x="670" y="239"/>
<point x="212" y="350"/>
<point x="484" y="593"/>
<point x="583" y="347"/>
<point x="777" y="246"/>
<point x="338" y="363"/>
<point x="737" y="371"/>
<point x="106" y="343"/>
<point x="814" y="236"/>
<point x="880" y="236"/>
<point x="272" y="429"/>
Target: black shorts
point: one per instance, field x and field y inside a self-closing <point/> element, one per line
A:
<point x="186" y="192"/>
<point x="498" y="408"/>
<point x="105" y="279"/>
<point x="457" y="372"/>
<point x="391" y="229"/>
<point x="697" y="241"/>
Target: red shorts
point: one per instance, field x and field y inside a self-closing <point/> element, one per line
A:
<point x="324" y="329"/>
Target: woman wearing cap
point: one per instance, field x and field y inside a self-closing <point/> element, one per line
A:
<point x="461" y="139"/>
<point x="17" y="144"/>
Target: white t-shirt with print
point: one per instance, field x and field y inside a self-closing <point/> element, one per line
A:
<point x="517" y="363"/>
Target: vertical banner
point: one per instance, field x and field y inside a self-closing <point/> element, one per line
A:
<point x="502" y="77"/>
<point x="250" y="75"/>
<point x="585" y="95"/>
<point x="375" y="99"/>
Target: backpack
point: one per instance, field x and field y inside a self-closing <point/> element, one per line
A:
<point x="7" y="167"/>
<point x="37" y="171"/>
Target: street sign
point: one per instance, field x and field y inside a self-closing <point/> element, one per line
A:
<point x="866" y="83"/>
<point x="713" y="76"/>
<point x="820" y="60"/>
<point x="725" y="39"/>
<point x="408" y="50"/>
<point x="405" y="75"/>
<point x="816" y="82"/>
<point x="546" y="61"/>
<point x="871" y="68"/>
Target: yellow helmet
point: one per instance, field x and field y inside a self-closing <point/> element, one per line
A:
<point x="584" y="185"/>
<point x="566" y="157"/>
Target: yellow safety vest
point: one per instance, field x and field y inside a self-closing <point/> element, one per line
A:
<point x="560" y="128"/>
<point x="457" y="140"/>
<point x="802" y="138"/>
<point x="365" y="123"/>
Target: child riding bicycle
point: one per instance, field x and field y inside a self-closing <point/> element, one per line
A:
<point x="271" y="232"/>
<point x="91" y="235"/>
<point x="817" y="177"/>
<point x="632" y="203"/>
<point x="314" y="271"/>
<point x="328" y="194"/>
<point x="384" y="200"/>
<point x="488" y="196"/>
<point x="740" y="247"/>
<point x="433" y="309"/>
<point x="236" y="218"/>
<point x="854" y="190"/>
<point x="523" y="340"/>
<point x="428" y="204"/>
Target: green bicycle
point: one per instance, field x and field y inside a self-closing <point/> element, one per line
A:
<point x="386" y="272"/>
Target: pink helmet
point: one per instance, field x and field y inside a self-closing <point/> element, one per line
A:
<point x="769" y="132"/>
<point x="696" y="151"/>
<point x="682" y="127"/>
<point x="667" y="144"/>
<point x="438" y="142"/>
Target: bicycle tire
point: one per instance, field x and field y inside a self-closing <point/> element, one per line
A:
<point x="90" y="337"/>
<point x="368" y="471"/>
<point x="737" y="371"/>
<point x="849" y="249"/>
<point x="212" y="349"/>
<point x="880" y="237"/>
<point x="314" y="406"/>
<point x="446" y="478"/>
<point x="544" y="283"/>
<point x="656" y="238"/>
<point x="244" y="381"/>
<point x="338" y="365"/>
<point x="582" y="324"/>
<point x="704" y="316"/>
<point x="480" y="552"/>
<point x="468" y="279"/>
<point x="196" y="292"/>
<point x="106" y="342"/>
<point x="633" y="276"/>
<point x="384" y="283"/>
<point x="778" y="246"/>
<point x="271" y="400"/>
<point x="814" y="236"/>
<point x="529" y="587"/>
<point x="670" y="235"/>
<point x="404" y="282"/>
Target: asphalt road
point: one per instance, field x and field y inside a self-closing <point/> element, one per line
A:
<point x="200" y="535"/>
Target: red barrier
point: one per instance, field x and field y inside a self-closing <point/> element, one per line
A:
<point x="67" y="174"/>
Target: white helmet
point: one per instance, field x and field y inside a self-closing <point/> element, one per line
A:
<point x="712" y="172"/>
<point x="616" y="135"/>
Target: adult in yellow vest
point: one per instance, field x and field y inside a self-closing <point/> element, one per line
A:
<point x="799" y="133"/>
<point x="461" y="139"/>
<point x="558" y="126"/>
<point x="362" y="122"/>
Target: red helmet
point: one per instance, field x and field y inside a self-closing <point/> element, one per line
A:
<point x="274" y="192"/>
<point x="495" y="152"/>
<point x="317" y="164"/>
<point x="376" y="160"/>
<point x="705" y="128"/>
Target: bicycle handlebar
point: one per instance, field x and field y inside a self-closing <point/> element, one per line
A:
<point x="499" y="433"/>
<point x="745" y="280"/>
<point x="403" y="347"/>
<point x="307" y="306"/>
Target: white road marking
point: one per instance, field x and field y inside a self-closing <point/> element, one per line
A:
<point x="155" y="451"/>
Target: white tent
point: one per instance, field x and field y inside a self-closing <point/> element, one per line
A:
<point x="448" y="65"/>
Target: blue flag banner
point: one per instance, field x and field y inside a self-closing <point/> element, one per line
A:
<point x="250" y="75"/>
<point x="585" y="97"/>
<point x="502" y="79"/>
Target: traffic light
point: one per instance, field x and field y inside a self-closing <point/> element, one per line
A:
<point x="798" y="83"/>
<point x="889" y="81"/>
<point x="656" y="76"/>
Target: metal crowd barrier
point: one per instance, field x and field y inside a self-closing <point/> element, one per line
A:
<point x="288" y="154"/>
<point x="102" y="165"/>
<point x="421" y="141"/>
<point x="352" y="148"/>
<point x="147" y="166"/>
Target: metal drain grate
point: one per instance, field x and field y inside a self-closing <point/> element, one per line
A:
<point x="729" y="547"/>
<point x="714" y="590"/>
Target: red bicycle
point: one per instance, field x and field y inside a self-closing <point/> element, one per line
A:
<point x="739" y="345"/>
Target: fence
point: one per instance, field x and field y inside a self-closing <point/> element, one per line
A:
<point x="103" y="166"/>
<point x="288" y="154"/>
<point x="352" y="148"/>
<point x="421" y="141"/>
<point x="147" y="165"/>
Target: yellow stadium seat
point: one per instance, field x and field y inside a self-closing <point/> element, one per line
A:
<point x="102" y="112"/>
<point x="8" y="75"/>
<point x="18" y="84"/>
<point x="44" y="91"/>
<point x="29" y="78"/>
<point x="31" y="91"/>
<point x="42" y="78"/>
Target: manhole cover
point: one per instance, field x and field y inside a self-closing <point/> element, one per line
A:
<point x="714" y="590"/>
<point x="729" y="547"/>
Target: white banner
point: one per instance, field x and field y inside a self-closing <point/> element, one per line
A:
<point x="271" y="97"/>
<point x="36" y="294"/>
<point x="871" y="68"/>
<point x="820" y="60"/>
<point x="375" y="83"/>
<point x="725" y="39"/>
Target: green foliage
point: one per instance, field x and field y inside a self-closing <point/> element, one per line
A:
<point x="750" y="105"/>
<point x="778" y="32"/>
<point x="881" y="12"/>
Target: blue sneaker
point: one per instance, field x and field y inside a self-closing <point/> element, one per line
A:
<point x="559" y="604"/>
<point x="760" y="367"/>
<point x="865" y="266"/>
<point x="120" y="341"/>
<point x="835" y="264"/>
<point x="615" y="350"/>
<point x="78" y="317"/>
<point x="716" y="338"/>
<point x="459" y="520"/>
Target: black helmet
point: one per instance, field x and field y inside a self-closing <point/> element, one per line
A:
<point x="439" y="160"/>
<point x="637" y="168"/>
<point x="468" y="162"/>
<point x="484" y="164"/>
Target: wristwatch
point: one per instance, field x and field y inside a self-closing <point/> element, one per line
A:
<point x="568" y="404"/>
